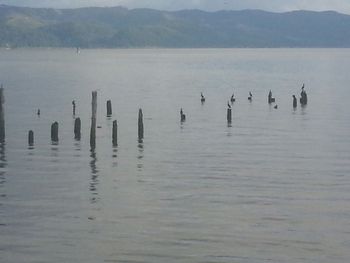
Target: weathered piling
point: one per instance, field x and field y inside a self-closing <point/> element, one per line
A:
<point x="140" y="125"/>
<point x="93" y="120"/>
<point x="229" y="115"/>
<point x="270" y="99"/>
<point x="2" y="115"/>
<point x="73" y="103"/>
<point x="30" y="138"/>
<point x="109" y="108"/>
<point x="77" y="129"/>
<point x="303" y="99"/>
<point x="54" y="132"/>
<point x="115" y="133"/>
<point x="295" y="103"/>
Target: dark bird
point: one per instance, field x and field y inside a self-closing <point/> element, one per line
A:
<point x="233" y="98"/>
<point x="38" y="112"/>
<point x="202" y="98"/>
<point x="229" y="105"/>
<point x="250" y="96"/>
<point x="182" y="116"/>
<point x="276" y="106"/>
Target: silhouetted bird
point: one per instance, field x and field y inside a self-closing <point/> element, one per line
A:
<point x="276" y="106"/>
<point x="182" y="116"/>
<point x="233" y="98"/>
<point x="229" y="105"/>
<point x="202" y="98"/>
<point x="38" y="112"/>
<point x="250" y="96"/>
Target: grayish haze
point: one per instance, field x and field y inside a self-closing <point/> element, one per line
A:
<point x="342" y="6"/>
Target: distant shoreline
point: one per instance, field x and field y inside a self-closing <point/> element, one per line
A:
<point x="118" y="27"/>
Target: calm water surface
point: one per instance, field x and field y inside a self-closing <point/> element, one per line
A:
<point x="272" y="187"/>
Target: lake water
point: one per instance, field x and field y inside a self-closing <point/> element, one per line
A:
<point x="272" y="187"/>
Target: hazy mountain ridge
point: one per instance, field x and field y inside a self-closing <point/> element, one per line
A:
<point x="120" y="27"/>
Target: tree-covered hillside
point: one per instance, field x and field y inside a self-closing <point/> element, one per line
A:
<point x="120" y="27"/>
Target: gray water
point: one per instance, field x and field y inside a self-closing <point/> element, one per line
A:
<point x="272" y="187"/>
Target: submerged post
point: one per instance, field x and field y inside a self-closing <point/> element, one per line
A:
<point x="77" y="128"/>
<point x="140" y="125"/>
<point x="109" y="108"/>
<point x="54" y="132"/>
<point x="2" y="115"/>
<point x="93" y="120"/>
<point x="229" y="115"/>
<point x="294" y="101"/>
<point x="30" y="138"/>
<point x="115" y="133"/>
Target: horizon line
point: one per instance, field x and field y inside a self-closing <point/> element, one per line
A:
<point x="179" y="10"/>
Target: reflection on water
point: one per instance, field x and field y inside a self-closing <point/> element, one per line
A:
<point x="77" y="148"/>
<point x="31" y="147"/>
<point x="204" y="191"/>
<point x="303" y="109"/>
<point x="140" y="147"/>
<point x="54" y="152"/>
<point x="94" y="177"/>
<point x="114" y="156"/>
<point x="3" y="164"/>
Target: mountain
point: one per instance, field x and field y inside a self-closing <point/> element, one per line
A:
<point x="113" y="27"/>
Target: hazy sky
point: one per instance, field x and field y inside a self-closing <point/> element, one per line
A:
<point x="342" y="6"/>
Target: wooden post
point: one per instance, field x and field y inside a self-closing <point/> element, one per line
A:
<point x="93" y="120"/>
<point x="2" y="115"/>
<point x="109" y="108"/>
<point x="115" y="133"/>
<point x="30" y="138"/>
<point x="77" y="129"/>
<point x="73" y="103"/>
<point x="54" y="132"/>
<point x="140" y="122"/>
<point x="294" y="101"/>
<point x="229" y="115"/>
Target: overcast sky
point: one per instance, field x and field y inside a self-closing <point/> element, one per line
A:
<point x="342" y="6"/>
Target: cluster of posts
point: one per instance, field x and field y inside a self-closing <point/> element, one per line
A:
<point x="77" y="123"/>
